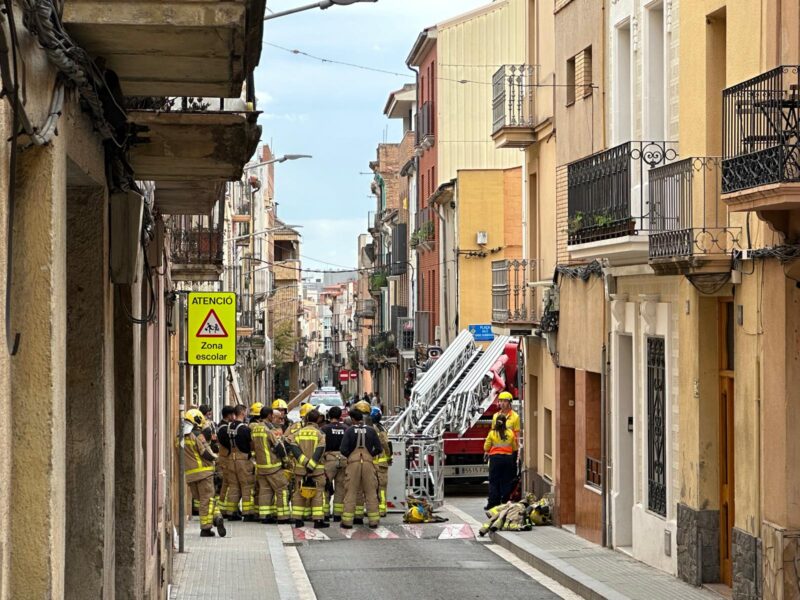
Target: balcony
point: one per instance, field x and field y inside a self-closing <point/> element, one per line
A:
<point x="286" y="272"/>
<point x="761" y="145"/>
<point x="366" y="309"/>
<point x="608" y="201"/>
<point x="424" y="236"/>
<point x="425" y="126"/>
<point x="690" y="231"/>
<point x="513" y="104"/>
<point x="382" y="348"/>
<point x="515" y="309"/>
<point x="196" y="253"/>
<point x="250" y="324"/>
<point x="209" y="144"/>
<point x="180" y="47"/>
<point x="373" y="222"/>
<point x="377" y="281"/>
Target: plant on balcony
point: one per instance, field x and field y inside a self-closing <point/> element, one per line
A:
<point x="413" y="241"/>
<point x="378" y="280"/>
<point x="603" y="219"/>
<point x="576" y="222"/>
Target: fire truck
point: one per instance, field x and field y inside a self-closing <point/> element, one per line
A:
<point x="441" y="432"/>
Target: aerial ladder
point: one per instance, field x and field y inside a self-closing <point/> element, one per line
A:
<point x="449" y="398"/>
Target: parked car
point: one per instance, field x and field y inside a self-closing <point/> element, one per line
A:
<point x="322" y="400"/>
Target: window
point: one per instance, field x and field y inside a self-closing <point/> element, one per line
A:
<point x="548" y="443"/>
<point x="655" y="83"/>
<point x="656" y="428"/>
<point x="571" y="81"/>
<point x="622" y="91"/>
<point x="583" y="68"/>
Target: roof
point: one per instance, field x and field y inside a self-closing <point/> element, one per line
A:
<point x="425" y="41"/>
<point x="400" y="101"/>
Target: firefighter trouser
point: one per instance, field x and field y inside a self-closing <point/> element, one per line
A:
<point x="383" y="483"/>
<point x="273" y="495"/>
<point x="223" y="464"/>
<point x="313" y="507"/>
<point x="361" y="479"/>
<point x="335" y="470"/>
<point x="241" y="484"/>
<point x="203" y="490"/>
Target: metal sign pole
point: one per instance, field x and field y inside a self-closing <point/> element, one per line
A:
<point x="181" y="409"/>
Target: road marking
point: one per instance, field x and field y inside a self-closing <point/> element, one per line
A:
<point x="299" y="576"/>
<point x="310" y="534"/>
<point x="466" y="517"/>
<point x="461" y="531"/>
<point x="537" y="576"/>
<point x="414" y="530"/>
<point x="290" y="575"/>
<point x="385" y="534"/>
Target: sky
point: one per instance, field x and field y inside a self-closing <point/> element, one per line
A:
<point x="334" y="112"/>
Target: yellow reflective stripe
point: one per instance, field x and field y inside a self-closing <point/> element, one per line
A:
<point x="198" y="470"/>
<point x="261" y="434"/>
<point x="192" y="445"/>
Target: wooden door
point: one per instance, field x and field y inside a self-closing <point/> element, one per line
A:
<point x="726" y="444"/>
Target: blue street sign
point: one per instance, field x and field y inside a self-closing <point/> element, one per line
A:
<point x="481" y="333"/>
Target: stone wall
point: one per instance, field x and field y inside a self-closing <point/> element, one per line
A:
<point x="746" y="560"/>
<point x="698" y="545"/>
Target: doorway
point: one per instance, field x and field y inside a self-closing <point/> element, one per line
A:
<point x="726" y="442"/>
<point x="623" y="437"/>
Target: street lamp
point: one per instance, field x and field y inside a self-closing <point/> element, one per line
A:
<point x="323" y="4"/>
<point x="278" y="159"/>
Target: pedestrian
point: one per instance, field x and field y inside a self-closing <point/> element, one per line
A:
<point x="499" y="447"/>
<point x="269" y="451"/>
<point x="303" y="384"/>
<point x="365" y="397"/>
<point x="360" y="445"/>
<point x="384" y="460"/>
<point x="375" y="400"/>
<point x="199" y="472"/>
<point x="335" y="464"/>
<point x="308" y="446"/>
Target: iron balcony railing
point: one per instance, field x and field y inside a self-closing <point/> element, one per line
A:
<point x="761" y="130"/>
<point x="425" y="124"/>
<point x="251" y="319"/>
<point x="513" y="95"/>
<point x="513" y="300"/>
<point x="196" y="246"/>
<point x="687" y="216"/>
<point x="425" y="227"/>
<point x="405" y="334"/>
<point x="365" y="309"/>
<point x="608" y="190"/>
<point x="382" y="345"/>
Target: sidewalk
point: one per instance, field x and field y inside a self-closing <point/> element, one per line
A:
<point x="587" y="569"/>
<point x="250" y="563"/>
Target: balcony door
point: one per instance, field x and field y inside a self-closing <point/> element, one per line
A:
<point x="726" y="441"/>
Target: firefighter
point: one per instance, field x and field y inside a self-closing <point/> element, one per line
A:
<point x="255" y="412"/>
<point x="499" y="447"/>
<point x="199" y="474"/>
<point x="512" y="418"/>
<point x="283" y="408"/>
<point x="308" y="445"/>
<point x="364" y="407"/>
<point x="335" y="464"/>
<point x="224" y="461"/>
<point x="382" y="461"/>
<point x="269" y="451"/>
<point x="242" y="469"/>
<point x="360" y="445"/>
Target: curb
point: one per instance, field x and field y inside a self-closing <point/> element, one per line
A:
<point x="558" y="570"/>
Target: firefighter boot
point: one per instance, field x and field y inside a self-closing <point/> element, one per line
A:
<point x="206" y="533"/>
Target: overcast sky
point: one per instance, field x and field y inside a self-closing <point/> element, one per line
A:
<point x="334" y="112"/>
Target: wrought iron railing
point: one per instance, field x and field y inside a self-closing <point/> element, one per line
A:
<point x="761" y="125"/>
<point x="425" y="227"/>
<point x="687" y="217"/>
<point x="594" y="472"/>
<point x="365" y="308"/>
<point x="656" y="427"/>
<point x="513" y="95"/>
<point x="382" y="344"/>
<point x="405" y="333"/>
<point x="608" y="190"/>
<point x="196" y="246"/>
<point x="513" y="300"/>
<point x="425" y="123"/>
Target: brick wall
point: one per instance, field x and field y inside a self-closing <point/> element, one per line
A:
<point x="562" y="220"/>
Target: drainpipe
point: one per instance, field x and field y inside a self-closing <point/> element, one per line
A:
<point x="443" y="290"/>
<point x="604" y="447"/>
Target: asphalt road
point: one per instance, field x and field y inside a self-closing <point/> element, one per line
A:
<point x="419" y="562"/>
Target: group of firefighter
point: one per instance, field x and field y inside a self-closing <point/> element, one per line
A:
<point x="257" y="465"/>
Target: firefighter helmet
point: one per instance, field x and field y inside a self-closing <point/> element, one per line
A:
<point x="305" y="409"/>
<point x="279" y="405"/>
<point x="195" y="417"/>
<point x="308" y="488"/>
<point x="363" y="407"/>
<point x="255" y="409"/>
<point x="415" y="514"/>
<point x="505" y="396"/>
<point x="375" y="414"/>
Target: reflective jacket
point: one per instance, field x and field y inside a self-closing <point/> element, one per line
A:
<point x="267" y="449"/>
<point x="382" y="460"/>
<point x="198" y="457"/>
<point x="512" y="420"/>
<point x="495" y="445"/>
<point x="308" y="446"/>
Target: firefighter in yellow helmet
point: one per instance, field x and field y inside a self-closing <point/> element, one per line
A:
<point x="308" y="445"/>
<point x="512" y="418"/>
<point x="255" y="411"/>
<point x="384" y="460"/>
<point x="364" y="408"/>
<point x="280" y="405"/>
<point x="269" y="450"/>
<point x="199" y="471"/>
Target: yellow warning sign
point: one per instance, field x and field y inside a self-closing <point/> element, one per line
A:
<point x="212" y="328"/>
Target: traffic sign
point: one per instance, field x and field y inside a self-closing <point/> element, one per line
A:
<point x="212" y="328"/>
<point x="482" y="333"/>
